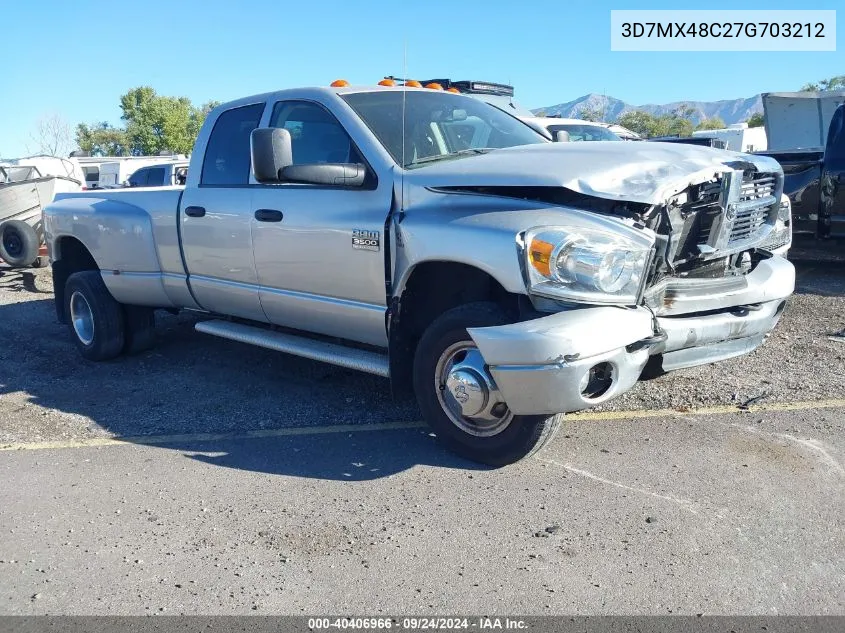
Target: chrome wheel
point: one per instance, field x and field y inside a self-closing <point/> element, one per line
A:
<point x="82" y="318"/>
<point x="467" y="392"/>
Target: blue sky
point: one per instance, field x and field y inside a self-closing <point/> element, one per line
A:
<point x="75" y="59"/>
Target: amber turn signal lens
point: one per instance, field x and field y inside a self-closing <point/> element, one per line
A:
<point x="540" y="255"/>
<point x="339" y="83"/>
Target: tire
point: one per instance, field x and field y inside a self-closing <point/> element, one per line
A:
<point x="140" y="329"/>
<point x="19" y="243"/>
<point x="498" y="444"/>
<point x="97" y="321"/>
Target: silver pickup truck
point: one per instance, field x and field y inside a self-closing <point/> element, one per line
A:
<point x="438" y="241"/>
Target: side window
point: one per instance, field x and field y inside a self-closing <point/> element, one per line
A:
<point x="139" y="178"/>
<point x="155" y="177"/>
<point x="316" y="136"/>
<point x="227" y="160"/>
<point x="92" y="175"/>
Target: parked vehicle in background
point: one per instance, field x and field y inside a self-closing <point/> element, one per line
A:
<point x="702" y="141"/>
<point x="799" y="120"/>
<point x="737" y="137"/>
<point x="163" y="175"/>
<point x="575" y="129"/>
<point x="815" y="178"/>
<point x="26" y="186"/>
<point x="622" y="132"/>
<point x="118" y="170"/>
<point x="432" y="239"/>
<point x="91" y="167"/>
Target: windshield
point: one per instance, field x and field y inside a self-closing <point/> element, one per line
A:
<point x="437" y="126"/>
<point x="580" y="132"/>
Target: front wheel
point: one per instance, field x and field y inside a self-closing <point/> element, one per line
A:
<point x="459" y="398"/>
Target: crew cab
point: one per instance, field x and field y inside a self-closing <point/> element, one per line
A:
<point x="433" y="239"/>
<point x="815" y="182"/>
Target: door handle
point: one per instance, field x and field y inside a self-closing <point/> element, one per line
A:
<point x="195" y="212"/>
<point x="269" y="215"/>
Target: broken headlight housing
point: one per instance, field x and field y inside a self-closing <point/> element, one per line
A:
<point x="586" y="265"/>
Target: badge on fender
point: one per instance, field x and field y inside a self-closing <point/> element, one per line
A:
<point x="365" y="240"/>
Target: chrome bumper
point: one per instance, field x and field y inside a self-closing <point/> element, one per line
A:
<point x="540" y="366"/>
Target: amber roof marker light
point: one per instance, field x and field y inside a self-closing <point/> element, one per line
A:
<point x="339" y="83"/>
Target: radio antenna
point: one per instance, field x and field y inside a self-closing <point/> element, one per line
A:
<point x="404" y="92"/>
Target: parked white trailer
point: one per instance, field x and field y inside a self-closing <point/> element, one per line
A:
<point x="799" y="120"/>
<point x="119" y="170"/>
<point x="738" y="137"/>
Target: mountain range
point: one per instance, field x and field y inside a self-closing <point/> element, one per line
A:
<point x="730" y="111"/>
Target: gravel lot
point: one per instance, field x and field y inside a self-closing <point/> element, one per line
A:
<point x="194" y="382"/>
<point x="677" y="513"/>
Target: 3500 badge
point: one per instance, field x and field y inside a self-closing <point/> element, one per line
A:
<point x="365" y="240"/>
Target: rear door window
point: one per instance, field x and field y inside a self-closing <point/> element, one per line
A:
<point x="227" y="160"/>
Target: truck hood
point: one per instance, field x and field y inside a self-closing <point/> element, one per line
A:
<point x="644" y="172"/>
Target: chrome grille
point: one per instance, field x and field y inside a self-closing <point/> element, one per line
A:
<point x="747" y="223"/>
<point x="762" y="186"/>
<point x="754" y="209"/>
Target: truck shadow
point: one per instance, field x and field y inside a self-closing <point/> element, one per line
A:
<point x="191" y="385"/>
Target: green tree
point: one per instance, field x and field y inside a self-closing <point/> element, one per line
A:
<point x="756" y="120"/>
<point x="640" y="122"/>
<point x="153" y="123"/>
<point x="825" y="85"/>
<point x="157" y="123"/>
<point x="648" y="125"/>
<point x="101" y="139"/>
<point x="715" y="123"/>
<point x="588" y="113"/>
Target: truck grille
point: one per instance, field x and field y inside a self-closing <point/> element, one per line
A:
<point x="748" y="222"/>
<point x="756" y="200"/>
<point x="726" y="215"/>
<point x="758" y="186"/>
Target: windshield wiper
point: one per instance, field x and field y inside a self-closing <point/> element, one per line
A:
<point x="460" y="152"/>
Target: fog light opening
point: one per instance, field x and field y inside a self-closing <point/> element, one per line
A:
<point x="597" y="381"/>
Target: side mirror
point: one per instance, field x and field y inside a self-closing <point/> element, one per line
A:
<point x="338" y="174"/>
<point x="561" y="136"/>
<point x="270" y="148"/>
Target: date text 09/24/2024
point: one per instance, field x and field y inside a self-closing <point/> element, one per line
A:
<point x="417" y="624"/>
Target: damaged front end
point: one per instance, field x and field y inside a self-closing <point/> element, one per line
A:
<point x="710" y="237"/>
<point x="703" y="286"/>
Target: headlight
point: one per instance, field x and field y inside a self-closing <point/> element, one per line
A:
<point x="587" y="265"/>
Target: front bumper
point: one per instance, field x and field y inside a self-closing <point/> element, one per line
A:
<point x="542" y="366"/>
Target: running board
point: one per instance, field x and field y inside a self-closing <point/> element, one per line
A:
<point x="350" y="358"/>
